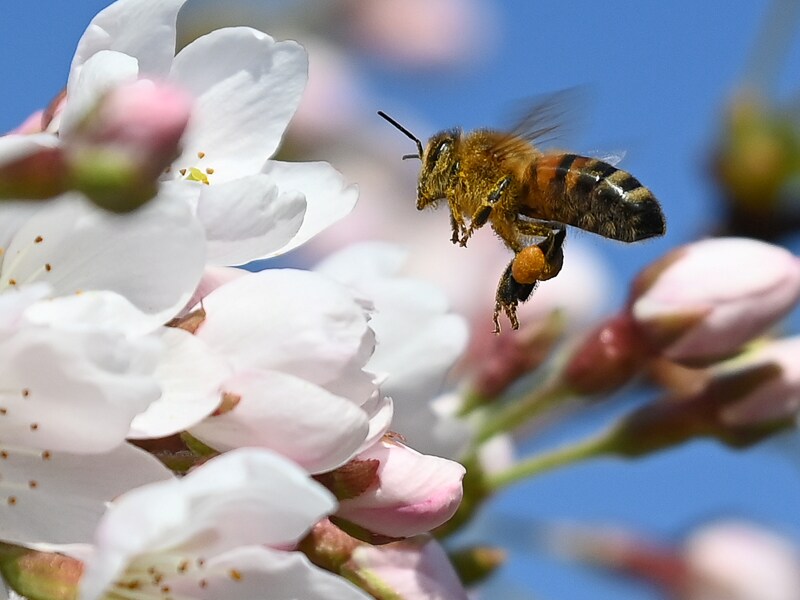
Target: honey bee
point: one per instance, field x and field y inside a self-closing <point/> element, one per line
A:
<point x="528" y="196"/>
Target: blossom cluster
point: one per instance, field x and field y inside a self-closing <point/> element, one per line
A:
<point x="172" y="425"/>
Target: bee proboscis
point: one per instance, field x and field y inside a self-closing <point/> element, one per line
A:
<point x="528" y="196"/>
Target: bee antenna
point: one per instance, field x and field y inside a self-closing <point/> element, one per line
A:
<point x="407" y="132"/>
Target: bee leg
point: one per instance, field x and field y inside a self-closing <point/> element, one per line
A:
<point x="455" y="226"/>
<point x="481" y="216"/>
<point x="509" y="294"/>
<point x="551" y="246"/>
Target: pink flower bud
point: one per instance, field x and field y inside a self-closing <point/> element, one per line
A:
<point x="413" y="493"/>
<point x="702" y="302"/>
<point x="743" y="402"/>
<point x="607" y="358"/>
<point x="31" y="170"/>
<point x="779" y="397"/>
<point x="506" y="357"/>
<point x="127" y="141"/>
<point x="412" y="568"/>
<point x="739" y="560"/>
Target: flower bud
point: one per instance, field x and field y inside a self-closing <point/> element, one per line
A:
<point x="412" y="493"/>
<point x="742" y="403"/>
<point x="31" y="168"/>
<point x="512" y="354"/>
<point x="733" y="559"/>
<point x="35" y="574"/>
<point x="126" y="142"/>
<point x="607" y="358"/>
<point x="413" y="568"/>
<point x="702" y="302"/>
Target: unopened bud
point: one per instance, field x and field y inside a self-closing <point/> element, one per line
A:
<point x="35" y="574"/>
<point x="121" y="148"/>
<point x="506" y="357"/>
<point x="702" y="302"/>
<point x="672" y="421"/>
<point x="609" y="357"/>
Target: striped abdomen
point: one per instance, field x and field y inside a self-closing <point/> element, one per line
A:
<point x="590" y="194"/>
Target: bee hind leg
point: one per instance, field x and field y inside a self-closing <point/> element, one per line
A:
<point x="484" y="211"/>
<point x="552" y="246"/>
<point x="509" y="294"/>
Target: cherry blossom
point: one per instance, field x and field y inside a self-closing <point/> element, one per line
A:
<point x="245" y="86"/>
<point x="416" y="359"/>
<point x="69" y="364"/>
<point x="297" y="344"/>
<point x="218" y="532"/>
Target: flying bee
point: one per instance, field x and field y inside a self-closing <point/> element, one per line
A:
<point x="528" y="196"/>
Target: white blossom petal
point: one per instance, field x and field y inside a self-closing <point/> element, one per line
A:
<point x="266" y="574"/>
<point x="154" y="257"/>
<point x="297" y="419"/>
<point x="59" y="384"/>
<point x="144" y="29"/>
<point x="60" y="497"/>
<point x="247" y="86"/>
<point x="328" y="197"/>
<point x="190" y="376"/>
<point x="247" y="219"/>
<point x="100" y="74"/>
<point x="243" y="497"/>
<point x="293" y="321"/>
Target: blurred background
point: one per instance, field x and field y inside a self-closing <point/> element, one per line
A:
<point x="682" y="89"/>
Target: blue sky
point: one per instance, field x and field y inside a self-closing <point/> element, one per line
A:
<point x="658" y="77"/>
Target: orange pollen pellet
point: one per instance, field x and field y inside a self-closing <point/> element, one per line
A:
<point x="3" y="454"/>
<point x="12" y="282"/>
<point x="12" y="500"/>
<point x="3" y="411"/>
<point x="166" y="589"/>
<point x="33" y="484"/>
<point x="528" y="265"/>
<point x="25" y="392"/>
<point x="235" y="575"/>
<point x="48" y="267"/>
<point x="210" y="171"/>
<point x="39" y="239"/>
<point x="47" y="455"/>
<point x="34" y="426"/>
<point x="182" y="171"/>
<point x="201" y="155"/>
<point x="183" y="567"/>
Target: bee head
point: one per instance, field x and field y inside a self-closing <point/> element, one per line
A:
<point x="439" y="166"/>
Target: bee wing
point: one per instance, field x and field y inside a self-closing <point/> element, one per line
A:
<point x="543" y="120"/>
<point x="612" y="158"/>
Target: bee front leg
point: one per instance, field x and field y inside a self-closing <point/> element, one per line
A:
<point x="481" y="216"/>
<point x="455" y="226"/>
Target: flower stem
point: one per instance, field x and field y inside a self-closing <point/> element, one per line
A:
<point x="592" y="447"/>
<point x="520" y="411"/>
